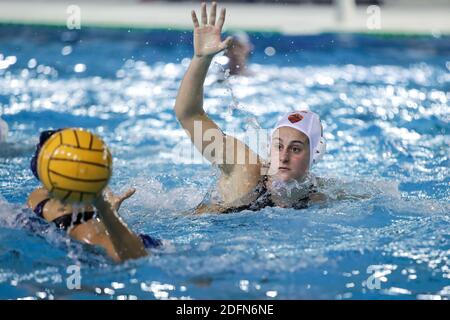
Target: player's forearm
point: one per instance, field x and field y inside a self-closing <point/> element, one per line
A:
<point x="127" y="244"/>
<point x="189" y="101"/>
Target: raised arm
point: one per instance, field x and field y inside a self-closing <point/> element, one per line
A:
<point x="189" y="103"/>
<point x="240" y="167"/>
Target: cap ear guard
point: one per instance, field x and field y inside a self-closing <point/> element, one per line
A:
<point x="320" y="150"/>
<point x="44" y="136"/>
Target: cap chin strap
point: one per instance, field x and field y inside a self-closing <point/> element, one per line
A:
<point x="320" y="150"/>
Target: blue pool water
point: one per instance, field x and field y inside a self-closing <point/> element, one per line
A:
<point x="384" y="102"/>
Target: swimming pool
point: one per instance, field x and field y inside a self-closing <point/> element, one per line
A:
<point x="384" y="104"/>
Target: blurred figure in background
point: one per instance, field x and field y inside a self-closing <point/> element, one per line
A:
<point x="238" y="53"/>
<point x="234" y="60"/>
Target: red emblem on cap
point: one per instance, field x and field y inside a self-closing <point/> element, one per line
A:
<point x="295" y="117"/>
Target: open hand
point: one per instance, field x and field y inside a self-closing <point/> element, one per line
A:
<point x="116" y="200"/>
<point x="207" y="40"/>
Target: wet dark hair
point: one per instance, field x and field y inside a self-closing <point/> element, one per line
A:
<point x="44" y="136"/>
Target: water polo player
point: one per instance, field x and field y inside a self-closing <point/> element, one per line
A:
<point x="95" y="224"/>
<point x="297" y="141"/>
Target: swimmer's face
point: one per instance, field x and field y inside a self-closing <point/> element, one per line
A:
<point x="289" y="155"/>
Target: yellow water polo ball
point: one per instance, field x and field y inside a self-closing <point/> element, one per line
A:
<point x="74" y="165"/>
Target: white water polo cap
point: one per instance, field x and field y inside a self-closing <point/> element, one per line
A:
<point x="308" y="123"/>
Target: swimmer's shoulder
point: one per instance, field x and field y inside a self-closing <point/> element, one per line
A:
<point x="317" y="198"/>
<point x="209" y="208"/>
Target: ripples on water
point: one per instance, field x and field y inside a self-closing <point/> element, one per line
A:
<point x="384" y="105"/>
